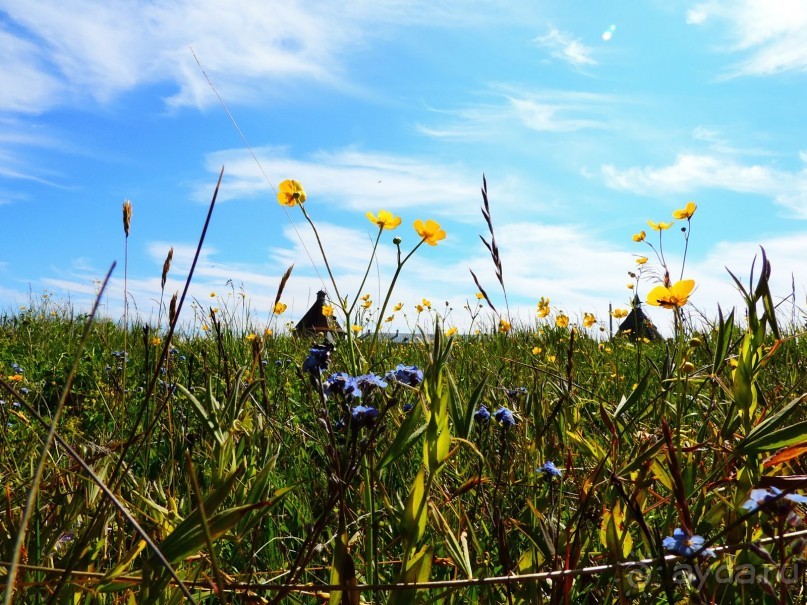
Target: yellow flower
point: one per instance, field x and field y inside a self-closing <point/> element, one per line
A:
<point x="659" y="226"/>
<point x="427" y="303"/>
<point x="641" y="260"/>
<point x="290" y="193"/>
<point x="267" y="332"/>
<point x="367" y="304"/>
<point x="551" y="358"/>
<point x="279" y="308"/>
<point x="156" y="341"/>
<point x="384" y="220"/>
<point x="480" y="296"/>
<point x="630" y="286"/>
<point x="205" y="328"/>
<point x="504" y="326"/>
<point x="212" y="295"/>
<point x="356" y="329"/>
<point x="589" y="319"/>
<point x="214" y="310"/>
<point x="398" y="307"/>
<point x="536" y="350"/>
<point x="639" y="237"/>
<point x="543" y="307"/>
<point x="365" y="297"/>
<point x="674" y="296"/>
<point x="619" y="313"/>
<point x="15" y="378"/>
<point x="419" y="308"/>
<point x="451" y="331"/>
<point x="687" y="212"/>
<point x="562" y="321"/>
<point x="251" y="336"/>
<point x="327" y="310"/>
<point x="430" y="232"/>
<point x="390" y="318"/>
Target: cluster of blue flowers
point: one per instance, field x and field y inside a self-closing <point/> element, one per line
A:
<point x="550" y="470"/>
<point x="408" y="375"/>
<point x="775" y="502"/>
<point x="319" y="357"/>
<point x="17" y="368"/>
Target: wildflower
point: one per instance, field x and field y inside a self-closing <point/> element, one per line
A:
<point x="279" y="308"/>
<point x="327" y="310"/>
<point x="676" y="295"/>
<point x="343" y="384"/>
<point x="156" y="341"/>
<point x="536" y="350"/>
<point x="390" y="318"/>
<point x="267" y="332"/>
<point x="451" y="331"/>
<point x="551" y="358"/>
<point x="251" y="336"/>
<point x="407" y="407"/>
<point x="562" y="321"/>
<point x="686" y="212"/>
<point x="680" y="543"/>
<point x="430" y="232"/>
<point x="356" y="329"/>
<point x="419" y="308"/>
<point x="15" y="378"/>
<point x="543" y="307"/>
<point x="427" y="303"/>
<point x="482" y="416"/>
<point x="513" y="393"/>
<point x="660" y="226"/>
<point x="630" y="286"/>
<point x="589" y="319"/>
<point x="318" y="359"/>
<point x="641" y="260"/>
<point x="290" y="193"/>
<point x="504" y="326"/>
<point x="639" y="237"/>
<point x="384" y="220"/>
<point x="619" y="313"/>
<point x="398" y="307"/>
<point x="17" y="368"/>
<point x="549" y="469"/>
<point x="365" y="297"/>
<point x="773" y="501"/>
<point x="368" y="382"/>
<point x="480" y="296"/>
<point x="504" y="417"/>
<point x="367" y="304"/>
<point x="212" y="295"/>
<point x="409" y="375"/>
<point x="362" y="415"/>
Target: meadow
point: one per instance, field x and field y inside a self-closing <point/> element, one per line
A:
<point x="548" y="463"/>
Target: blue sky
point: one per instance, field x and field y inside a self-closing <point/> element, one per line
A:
<point x="587" y="119"/>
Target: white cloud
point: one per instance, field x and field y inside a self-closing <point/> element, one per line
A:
<point x="563" y="46"/>
<point x="771" y="34"/>
<point x="691" y="172"/>
<point x="351" y="179"/>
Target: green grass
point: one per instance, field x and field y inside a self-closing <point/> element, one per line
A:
<point x="282" y="489"/>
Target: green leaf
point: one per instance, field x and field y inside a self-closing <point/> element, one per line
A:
<point x="409" y="432"/>
<point x="775" y="440"/>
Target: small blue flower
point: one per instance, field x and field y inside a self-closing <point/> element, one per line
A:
<point x="773" y="501"/>
<point x="504" y="417"/>
<point x="482" y="415"/>
<point x="318" y="359"/>
<point x="409" y="375"/>
<point x="363" y="415"/>
<point x="24" y="390"/>
<point x="681" y="543"/>
<point x="343" y="384"/>
<point x="368" y="382"/>
<point x="407" y="407"/>
<point x="550" y="469"/>
<point x="514" y="393"/>
<point x="18" y="369"/>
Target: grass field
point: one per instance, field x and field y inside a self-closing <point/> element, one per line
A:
<point x="233" y="463"/>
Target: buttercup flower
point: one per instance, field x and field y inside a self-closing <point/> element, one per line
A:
<point x="639" y="237"/>
<point x="290" y="193"/>
<point x="419" y="308"/>
<point x="536" y="350"/>
<point x="451" y="331"/>
<point x="619" y="313"/>
<point x="480" y="296"/>
<point x="676" y="295"/>
<point x="504" y="326"/>
<point x="680" y="543"/>
<point x="251" y="336"/>
<point x="659" y="226"/>
<point x="430" y="232"/>
<point x="641" y="260"/>
<point x="562" y="321"/>
<point x="398" y="307"/>
<point x="686" y="212"/>
<point x="327" y="310"/>
<point x="543" y="307"/>
<point x="356" y="329"/>
<point x="384" y="220"/>
<point x="279" y="308"/>
<point x="589" y="319"/>
<point x="427" y="303"/>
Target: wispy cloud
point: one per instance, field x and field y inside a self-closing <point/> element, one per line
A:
<point x="691" y="172"/>
<point x="565" y="47"/>
<point x="351" y="179"/>
<point x="770" y="34"/>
